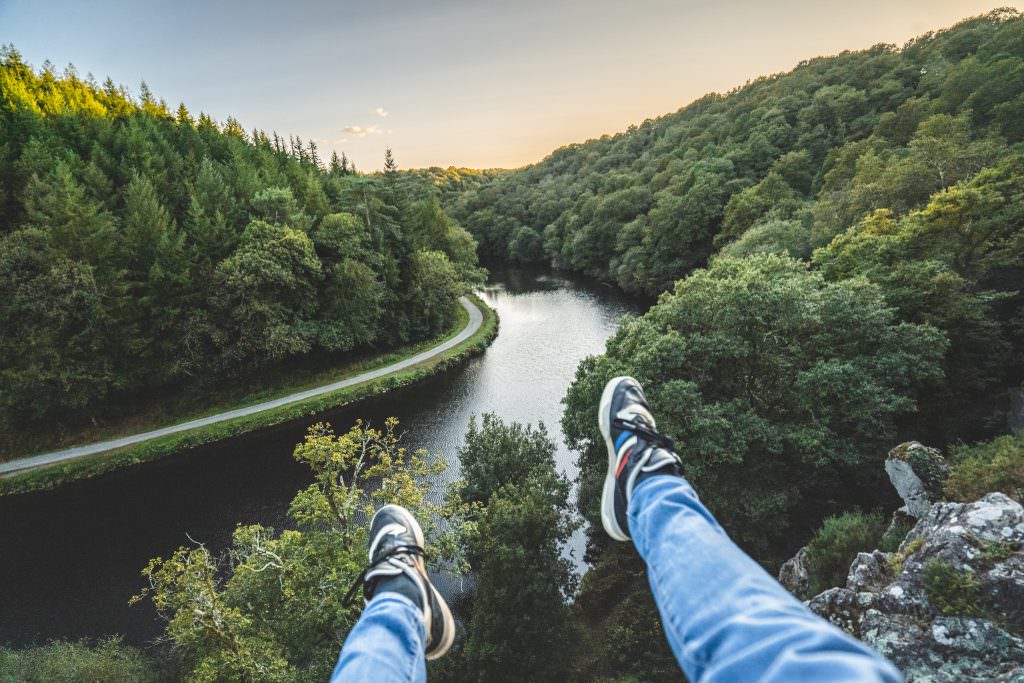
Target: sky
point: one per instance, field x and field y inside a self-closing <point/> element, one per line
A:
<point x="474" y="83"/>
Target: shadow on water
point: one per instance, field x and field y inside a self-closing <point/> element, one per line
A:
<point x="70" y="559"/>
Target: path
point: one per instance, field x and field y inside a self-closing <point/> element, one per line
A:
<point x="476" y="319"/>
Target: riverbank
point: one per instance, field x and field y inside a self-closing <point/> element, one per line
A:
<point x="410" y="365"/>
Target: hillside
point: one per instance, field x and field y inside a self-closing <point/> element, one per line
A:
<point x="145" y="254"/>
<point x="838" y="254"/>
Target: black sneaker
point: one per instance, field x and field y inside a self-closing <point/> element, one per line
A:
<point x="634" y="449"/>
<point x="396" y="566"/>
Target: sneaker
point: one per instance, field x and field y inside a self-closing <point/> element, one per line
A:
<point x="634" y="449"/>
<point x="396" y="566"/>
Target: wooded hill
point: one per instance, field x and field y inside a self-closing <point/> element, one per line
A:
<point x="143" y="250"/>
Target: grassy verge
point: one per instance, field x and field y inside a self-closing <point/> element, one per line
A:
<point x="190" y="403"/>
<point x="89" y="466"/>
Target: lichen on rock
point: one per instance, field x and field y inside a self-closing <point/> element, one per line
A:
<point x="887" y="604"/>
<point x="917" y="472"/>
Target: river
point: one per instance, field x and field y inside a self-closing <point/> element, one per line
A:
<point x="70" y="558"/>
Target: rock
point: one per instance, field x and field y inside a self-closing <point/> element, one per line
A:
<point x="886" y="600"/>
<point x="793" y="574"/>
<point x="917" y="472"/>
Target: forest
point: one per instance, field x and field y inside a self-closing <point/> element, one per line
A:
<point x="146" y="253"/>
<point x="838" y="256"/>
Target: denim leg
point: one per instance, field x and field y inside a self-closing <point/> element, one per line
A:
<point x="385" y="645"/>
<point x="725" y="618"/>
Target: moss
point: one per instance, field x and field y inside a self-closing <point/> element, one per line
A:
<point x="927" y="463"/>
<point x="953" y="592"/>
<point x="82" y="468"/>
<point x="899" y="558"/>
<point x="992" y="553"/>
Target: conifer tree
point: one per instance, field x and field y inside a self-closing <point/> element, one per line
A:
<point x="390" y="166"/>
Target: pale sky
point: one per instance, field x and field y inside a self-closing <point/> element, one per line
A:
<point x="473" y="83"/>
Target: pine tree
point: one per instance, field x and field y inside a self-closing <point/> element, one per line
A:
<point x="183" y="117"/>
<point x="314" y="155"/>
<point x="335" y="166"/>
<point x="390" y="166"/>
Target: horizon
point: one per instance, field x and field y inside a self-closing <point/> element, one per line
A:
<point x="532" y="87"/>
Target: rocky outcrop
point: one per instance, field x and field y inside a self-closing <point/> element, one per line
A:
<point x="949" y="604"/>
<point x="917" y="472"/>
<point x="794" y="575"/>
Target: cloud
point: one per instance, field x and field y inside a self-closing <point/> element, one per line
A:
<point x="341" y="141"/>
<point x="361" y="132"/>
<point x="380" y="111"/>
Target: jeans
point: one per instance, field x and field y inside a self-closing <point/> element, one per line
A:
<point x="725" y="618"/>
<point x="386" y="645"/>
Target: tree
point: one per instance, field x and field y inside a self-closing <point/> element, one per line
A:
<point x="390" y="166"/>
<point x="434" y="286"/>
<point x="780" y="387"/>
<point x="266" y="295"/>
<point x="277" y="612"/>
<point x="518" y="617"/>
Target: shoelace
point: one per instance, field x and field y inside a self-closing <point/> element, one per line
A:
<point x="641" y="429"/>
<point x="350" y="596"/>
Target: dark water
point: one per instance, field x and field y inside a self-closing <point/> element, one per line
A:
<point x="70" y="559"/>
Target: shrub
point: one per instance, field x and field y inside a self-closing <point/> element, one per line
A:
<point x="837" y="543"/>
<point x="895" y="534"/>
<point x="996" y="465"/>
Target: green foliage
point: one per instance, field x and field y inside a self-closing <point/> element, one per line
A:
<point x="896" y="534"/>
<point x="996" y="465"/>
<point x="617" y="626"/>
<point x="836" y="544"/>
<point x="143" y="254"/>
<point x="899" y="556"/>
<point x="518" y="618"/>
<point x="952" y="592"/>
<point x="108" y="661"/>
<point x="785" y="237"/>
<point x="498" y="453"/>
<point x="81" y="468"/>
<point x="838" y="137"/>
<point x="780" y="387"/>
<point x="270" y="609"/>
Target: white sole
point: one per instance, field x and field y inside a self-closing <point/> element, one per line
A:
<point x="446" y="613"/>
<point x="608" y="521"/>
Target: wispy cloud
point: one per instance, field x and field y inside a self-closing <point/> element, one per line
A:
<point x="360" y="132"/>
<point x="380" y="111"/>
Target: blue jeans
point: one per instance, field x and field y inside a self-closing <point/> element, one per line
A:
<point x="726" y="619"/>
<point x="386" y="645"/>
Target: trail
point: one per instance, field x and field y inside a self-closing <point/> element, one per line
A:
<point x="475" y="321"/>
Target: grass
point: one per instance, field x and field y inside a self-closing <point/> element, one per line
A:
<point x="53" y="475"/>
<point x="190" y="403"/>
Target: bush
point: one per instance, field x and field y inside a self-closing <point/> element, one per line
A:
<point x="837" y="543"/>
<point x="110" y="661"/>
<point x="996" y="465"/>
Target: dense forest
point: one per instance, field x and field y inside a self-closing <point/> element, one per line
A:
<point x="144" y="250"/>
<point x="839" y="257"/>
<point x="839" y="253"/>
